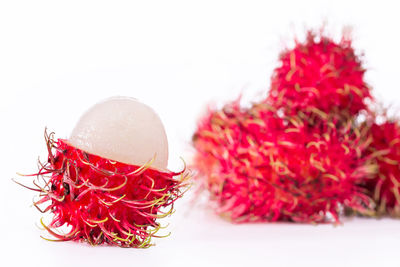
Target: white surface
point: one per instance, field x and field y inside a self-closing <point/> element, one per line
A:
<point x="57" y="59"/>
<point x="124" y="130"/>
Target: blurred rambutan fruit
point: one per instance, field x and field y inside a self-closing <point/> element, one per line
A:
<point x="260" y="166"/>
<point x="385" y="185"/>
<point x="319" y="74"/>
<point x="108" y="183"/>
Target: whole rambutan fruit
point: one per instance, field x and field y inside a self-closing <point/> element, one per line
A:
<point x="385" y="185"/>
<point x="321" y="74"/>
<point x="260" y="166"/>
<point x="108" y="182"/>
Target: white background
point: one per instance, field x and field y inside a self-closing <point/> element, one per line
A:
<point x="57" y="58"/>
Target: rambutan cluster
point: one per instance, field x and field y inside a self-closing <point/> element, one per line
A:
<point x="302" y="154"/>
<point x="103" y="201"/>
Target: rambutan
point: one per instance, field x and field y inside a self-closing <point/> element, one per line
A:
<point x="260" y="166"/>
<point x="319" y="74"/>
<point x="385" y="185"/>
<point x="109" y="199"/>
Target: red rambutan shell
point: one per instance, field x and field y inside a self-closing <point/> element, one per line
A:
<point x="104" y="201"/>
<point x="385" y="186"/>
<point x="259" y="166"/>
<point x="319" y="74"/>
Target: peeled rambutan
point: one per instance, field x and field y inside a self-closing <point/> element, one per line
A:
<point x="108" y="182"/>
<point x="319" y="74"/>
<point x="261" y="166"/>
<point x="385" y="185"/>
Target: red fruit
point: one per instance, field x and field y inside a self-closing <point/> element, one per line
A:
<point x="319" y="74"/>
<point x="385" y="187"/>
<point x="104" y="201"/>
<point x="259" y="166"/>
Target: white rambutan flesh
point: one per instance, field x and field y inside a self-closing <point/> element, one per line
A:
<point x="124" y="130"/>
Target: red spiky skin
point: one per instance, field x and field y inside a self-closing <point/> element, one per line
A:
<point x="262" y="167"/>
<point x="319" y="74"/>
<point x="385" y="149"/>
<point x="103" y="201"/>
